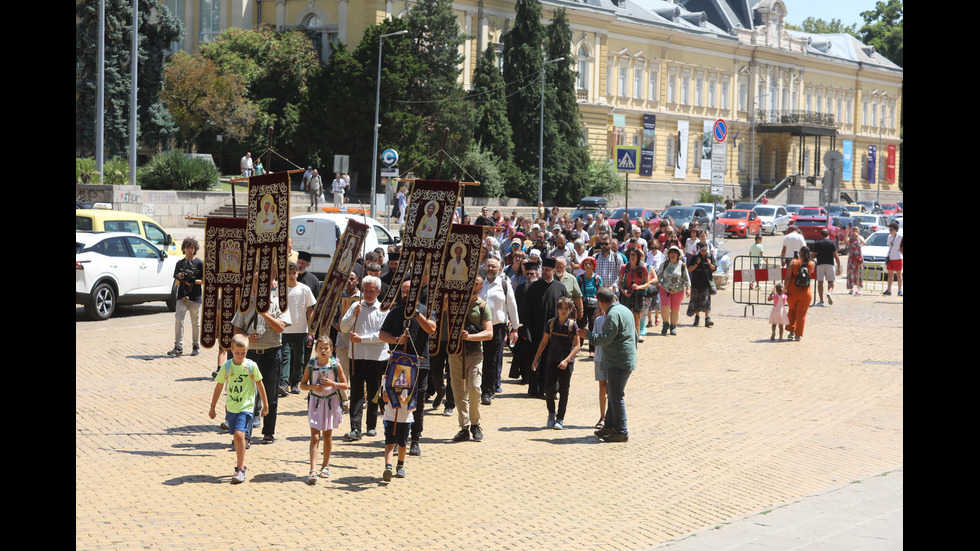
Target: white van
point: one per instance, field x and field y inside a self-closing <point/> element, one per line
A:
<point x="318" y="234"/>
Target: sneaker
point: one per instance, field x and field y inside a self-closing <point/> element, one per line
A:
<point x="899" y="293"/>
<point x="400" y="471"/>
<point x="850" y="291"/>
<point x="673" y="329"/>
<point x="559" y="425"/>
<point x="887" y="293"/>
<point x="223" y="426"/>
<point x="485" y="400"/>
<point x="239" y="475"/>
<point x="819" y="303"/>
<point x="294" y="390"/>
<point x="177" y="351"/>
<point x="447" y="412"/>
<point x="665" y="329"/>
<point x="551" y="420"/>
<point x="462" y="436"/>
<point x="830" y="299"/>
<point x="791" y="336"/>
<point x="857" y="292"/>
<point x="257" y="422"/>
<point x="697" y="320"/>
<point x="437" y="400"/>
<point x="499" y="389"/>
<point x="352" y="436"/>
<point x="248" y="444"/>
<point x="371" y="432"/>
<point x="616" y="437"/>
<point x="413" y="449"/>
<point x="477" y="433"/>
<point x="387" y="474"/>
<point x="311" y="480"/>
<point x="603" y="432"/>
<point x="283" y="391"/>
<point x="196" y="351"/>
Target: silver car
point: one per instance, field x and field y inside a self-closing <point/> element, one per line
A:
<point x="774" y="218"/>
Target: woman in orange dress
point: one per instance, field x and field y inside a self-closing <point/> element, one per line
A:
<point x="800" y="296"/>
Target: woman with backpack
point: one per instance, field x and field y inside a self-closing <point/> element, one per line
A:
<point x="634" y="280"/>
<point x="797" y="285"/>
<point x="589" y="283"/>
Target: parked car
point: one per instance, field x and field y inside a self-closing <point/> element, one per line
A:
<point x="810" y="227"/>
<point x="873" y="206"/>
<point x="792" y="209"/>
<point x="890" y="209"/>
<point x="113" y="268"/>
<point x="318" y="234"/>
<point x="871" y="223"/>
<point x="710" y="209"/>
<point x="808" y="211"/>
<point x="875" y="250"/>
<point x="100" y="219"/>
<point x="741" y="222"/>
<point x="683" y="216"/>
<point x="774" y="218"/>
<point x="838" y="210"/>
<point x="747" y="205"/>
<point x="639" y="217"/>
<point x="856" y="208"/>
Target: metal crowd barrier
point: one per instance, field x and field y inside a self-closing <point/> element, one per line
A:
<point x="754" y="277"/>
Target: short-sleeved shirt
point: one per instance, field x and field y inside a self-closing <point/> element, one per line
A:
<point x="241" y="384"/>
<point x="478" y="313"/>
<point x="824" y="250"/>
<point x="561" y="338"/>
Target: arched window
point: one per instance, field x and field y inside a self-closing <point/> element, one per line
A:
<point x="583" y="61"/>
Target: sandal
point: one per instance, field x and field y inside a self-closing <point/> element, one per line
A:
<point x="268" y="439"/>
<point x="600" y="424"/>
<point x="311" y="480"/>
<point x="324" y="472"/>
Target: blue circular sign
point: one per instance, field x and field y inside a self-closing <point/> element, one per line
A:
<point x="300" y="229"/>
<point x="721" y="130"/>
<point x="389" y="157"/>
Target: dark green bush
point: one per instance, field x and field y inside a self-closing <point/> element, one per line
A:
<point x="173" y="170"/>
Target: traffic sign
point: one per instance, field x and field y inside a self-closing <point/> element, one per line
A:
<point x="720" y="130"/>
<point x="627" y="158"/>
<point x="389" y="157"/>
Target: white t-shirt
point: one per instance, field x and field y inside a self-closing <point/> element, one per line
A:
<point x="893" y="247"/>
<point x="793" y="242"/>
<point x="300" y="297"/>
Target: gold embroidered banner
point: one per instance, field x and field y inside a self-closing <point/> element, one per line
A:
<point x="267" y="233"/>
<point x="224" y="246"/>
<point x="456" y="277"/>
<point x="348" y="249"/>
<point x="427" y="227"/>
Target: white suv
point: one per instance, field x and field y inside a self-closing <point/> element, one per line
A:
<point x="115" y="268"/>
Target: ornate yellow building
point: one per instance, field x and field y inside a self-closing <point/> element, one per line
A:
<point x="788" y="97"/>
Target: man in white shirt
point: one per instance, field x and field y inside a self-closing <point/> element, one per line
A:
<point x="338" y="187"/>
<point x="792" y="244"/>
<point x="499" y="296"/>
<point x="246" y="164"/>
<point x="368" y="354"/>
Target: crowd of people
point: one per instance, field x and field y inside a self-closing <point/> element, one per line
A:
<point x="548" y="287"/>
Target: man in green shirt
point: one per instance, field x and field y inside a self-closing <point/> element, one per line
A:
<point x="618" y="342"/>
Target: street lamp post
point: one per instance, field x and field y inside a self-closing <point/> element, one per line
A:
<point x="544" y="61"/>
<point x="377" y="106"/>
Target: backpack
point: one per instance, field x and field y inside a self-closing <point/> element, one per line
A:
<point x="803" y="276"/>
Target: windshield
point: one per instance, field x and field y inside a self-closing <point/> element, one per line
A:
<point x="879" y="239"/>
<point x="765" y="211"/>
<point x="736" y="214"/>
<point x="808" y="212"/>
<point x="678" y="212"/>
<point x="634" y="213"/>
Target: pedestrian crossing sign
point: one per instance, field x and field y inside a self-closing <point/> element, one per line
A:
<point x="627" y="158"/>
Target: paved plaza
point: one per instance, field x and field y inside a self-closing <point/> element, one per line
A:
<point x="736" y="442"/>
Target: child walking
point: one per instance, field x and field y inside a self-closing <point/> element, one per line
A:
<point x="778" y="315"/>
<point x="398" y="423"/>
<point x="562" y="343"/>
<point x="324" y="378"/>
<point x="242" y="375"/>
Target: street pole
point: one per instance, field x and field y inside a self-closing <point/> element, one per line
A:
<point x="544" y="62"/>
<point x="377" y="106"/>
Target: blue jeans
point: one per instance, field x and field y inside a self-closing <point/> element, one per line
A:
<point x="615" y="395"/>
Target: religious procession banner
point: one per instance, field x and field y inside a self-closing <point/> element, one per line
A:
<point x="267" y="235"/>
<point x="348" y="249"/>
<point x="224" y="246"/>
<point x="427" y="227"/>
<point x="454" y="285"/>
<point x="400" y="381"/>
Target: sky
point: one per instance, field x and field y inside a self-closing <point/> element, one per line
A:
<point x="848" y="11"/>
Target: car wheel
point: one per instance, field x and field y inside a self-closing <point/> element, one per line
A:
<point x="172" y="301"/>
<point x="103" y="303"/>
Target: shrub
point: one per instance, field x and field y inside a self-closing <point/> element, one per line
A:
<point x="174" y="170"/>
<point x="85" y="171"/>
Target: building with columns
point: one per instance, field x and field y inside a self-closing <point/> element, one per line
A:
<point x="654" y="73"/>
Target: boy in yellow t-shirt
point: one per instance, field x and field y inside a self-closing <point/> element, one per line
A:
<point x="242" y="376"/>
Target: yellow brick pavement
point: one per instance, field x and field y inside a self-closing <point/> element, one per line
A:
<point x="722" y="422"/>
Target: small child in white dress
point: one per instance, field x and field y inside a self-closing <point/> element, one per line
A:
<point x="779" y="315"/>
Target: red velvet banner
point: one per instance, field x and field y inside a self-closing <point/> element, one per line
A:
<point x="224" y="247"/>
<point x="267" y="235"/>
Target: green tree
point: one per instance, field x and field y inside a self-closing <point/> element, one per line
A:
<point x="883" y="29"/>
<point x="200" y="97"/>
<point x="435" y="95"/>
<point x="523" y="54"/>
<point x="493" y="133"/>
<point x="819" y="26"/>
<point x="569" y="156"/>
<point x="157" y="29"/>
<point x="276" y="68"/>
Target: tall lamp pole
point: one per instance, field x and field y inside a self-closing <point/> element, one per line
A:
<point x="544" y="61"/>
<point x="377" y="106"/>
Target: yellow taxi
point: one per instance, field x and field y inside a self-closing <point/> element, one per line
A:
<point x="105" y="219"/>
